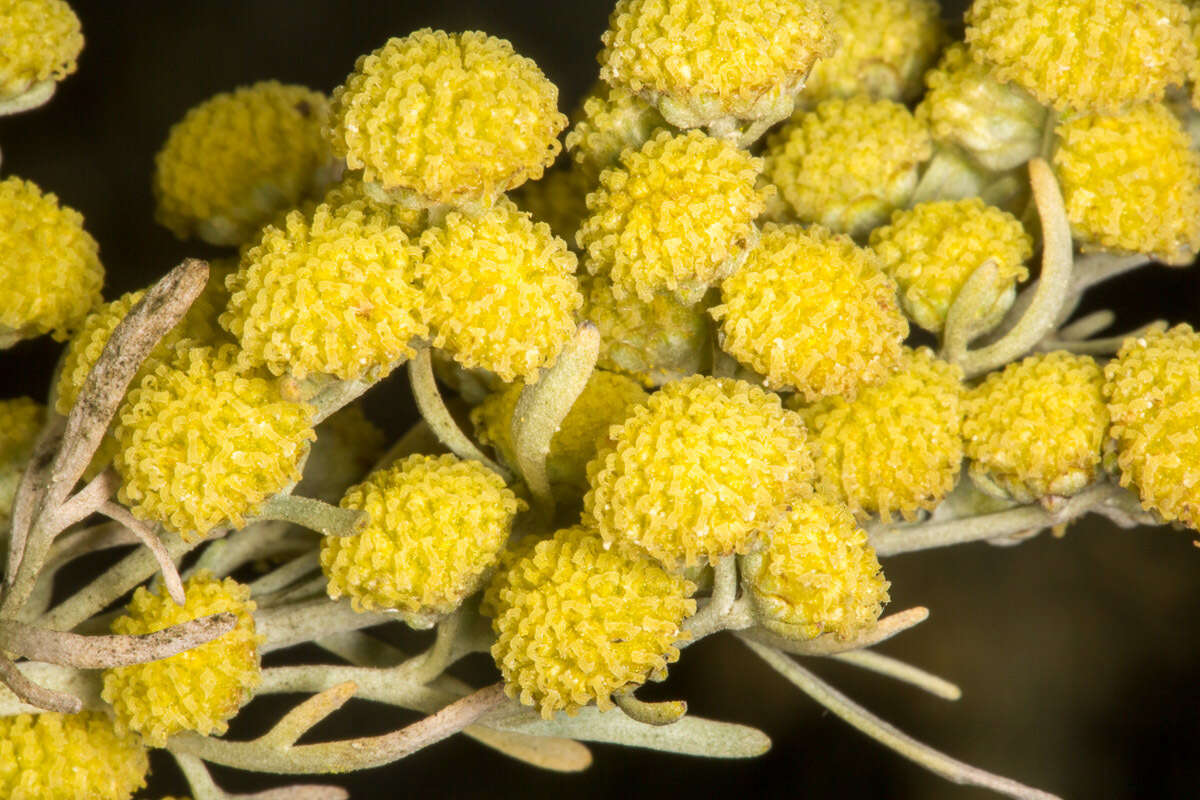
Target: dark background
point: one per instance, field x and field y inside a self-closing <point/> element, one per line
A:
<point x="1078" y="658"/>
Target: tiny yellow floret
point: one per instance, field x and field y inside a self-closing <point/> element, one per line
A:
<point x="577" y="621"/>
<point x="932" y="248"/>
<point x="204" y="442"/>
<point x="701" y="471"/>
<point x="41" y="42"/>
<point x="49" y="265"/>
<point x="611" y="120"/>
<point x="197" y="690"/>
<point x="239" y="158"/>
<point x="446" y="118"/>
<point x="1084" y="55"/>
<point x="437" y="524"/>
<point x="52" y="756"/>
<point x="819" y="574"/>
<point x="1131" y="182"/>
<point x="849" y="163"/>
<point x="1036" y="429"/>
<point x="676" y="215"/>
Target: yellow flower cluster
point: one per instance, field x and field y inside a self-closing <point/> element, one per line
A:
<point x="197" y="690"/>
<point x="49" y="265"/>
<point x="446" y="118"/>
<point x="203" y="443"/>
<point x="577" y="621"/>
<point x="898" y="447"/>
<point x="611" y="120"/>
<point x="1153" y="393"/>
<point x="52" y="756"/>
<point x="1036" y="429"/>
<point x="606" y="400"/>
<point x="334" y="293"/>
<point x="883" y="49"/>
<point x="677" y="214"/>
<point x="437" y="524"/>
<point x="932" y="248"/>
<point x="1131" y="182"/>
<point x="707" y="62"/>
<point x="41" y="42"/>
<point x="655" y="342"/>
<point x="239" y="158"/>
<point x="818" y="574"/>
<point x="1084" y="55"/>
<point x="701" y="471"/>
<point x="811" y="310"/>
<point x="500" y="290"/>
<point x="849" y="163"/>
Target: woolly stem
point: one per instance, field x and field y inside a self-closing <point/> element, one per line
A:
<point x="30" y="491"/>
<point x="304" y="717"/>
<point x="316" y="515"/>
<point x="829" y="645"/>
<point x="887" y="734"/>
<point x="288" y="625"/>
<point x="963" y="319"/>
<point x="34" y="695"/>
<point x="83" y="685"/>
<point x="433" y="662"/>
<point x="279" y="579"/>
<point x="103" y="652"/>
<point x="1099" y="347"/>
<point x="1085" y="327"/>
<point x="150" y="539"/>
<point x="433" y="410"/>
<point x="722" y="611"/>
<point x="894" y="668"/>
<point x="205" y="788"/>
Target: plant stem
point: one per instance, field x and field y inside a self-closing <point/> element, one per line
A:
<point x="102" y="652"/>
<point x="828" y="644"/>
<point x="894" y="668"/>
<point x="316" y="515"/>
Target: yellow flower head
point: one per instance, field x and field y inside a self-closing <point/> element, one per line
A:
<point x="931" y="249"/>
<point x="49" y="265"/>
<point x="41" y="42"/>
<point x="203" y="443"/>
<point x="437" y="524"/>
<point x="812" y="311"/>
<point x="706" y="62"/>
<point x="446" y="118"/>
<point x="819" y="574"/>
<point x="611" y="120"/>
<point x="576" y="621"/>
<point x="352" y="189"/>
<point x="655" y="342"/>
<point x="1131" y="182"/>
<point x="53" y="756"/>
<point x="699" y="472"/>
<point x="1084" y="55"/>
<point x="197" y="690"/>
<point x="677" y="214"/>
<point x="332" y="294"/>
<point x="606" y="400"/>
<point x="239" y="158"/>
<point x="998" y="124"/>
<point x="500" y="290"/>
<point x="898" y="447"/>
<point x="1153" y="393"/>
<point x="21" y="420"/>
<point x="1037" y="428"/>
<point x="848" y="163"/>
<point x="883" y="49"/>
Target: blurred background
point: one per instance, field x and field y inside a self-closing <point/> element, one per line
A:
<point x="1078" y="657"/>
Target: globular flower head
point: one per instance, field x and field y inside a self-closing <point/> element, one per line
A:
<point x="204" y="442"/>
<point x="999" y="124"/>
<point x="895" y="449"/>
<point x="500" y="290"/>
<point x="606" y="400"/>
<point x="51" y="756"/>
<point x="811" y="310"/>
<point x="849" y="163"/>
<point x="1053" y="49"/>
<point x="1037" y="428"/>
<point x="883" y="49"/>
<point x="1131" y="182"/>
<point x="715" y="62"/>
<point x="611" y="120"/>
<point x="653" y="342"/>
<point x="196" y="690"/>
<point x="437" y="524"/>
<point x="676" y="215"/>
<point x="577" y="621"/>
<point x="49" y="265"/>
<point x="41" y="42"/>
<point x="701" y="471"/>
<point x="239" y="158"/>
<point x="818" y="574"/>
<point x="332" y="293"/>
<point x="932" y="248"/>
<point x="446" y="118"/>
<point x="1153" y="393"/>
